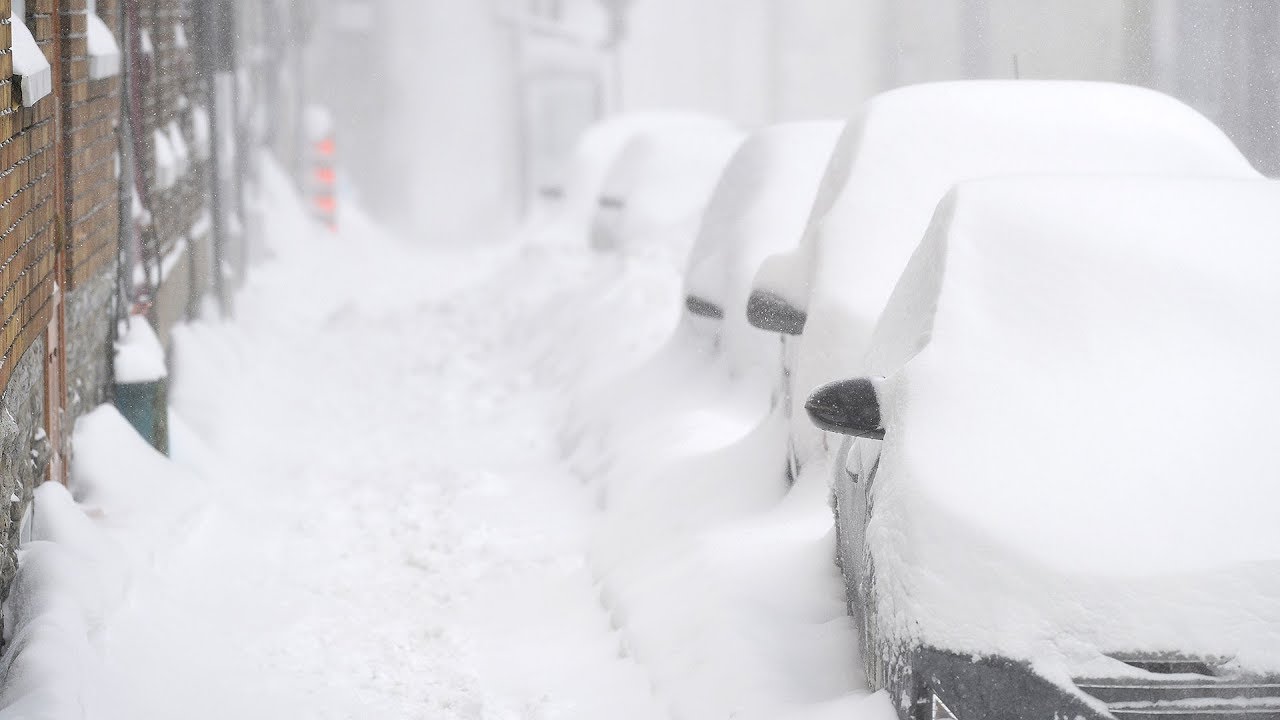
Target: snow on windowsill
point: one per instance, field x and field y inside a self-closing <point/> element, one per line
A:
<point x="30" y="64"/>
<point x="181" y="153"/>
<point x="201" y="226"/>
<point x="201" y="131"/>
<point x="173" y="156"/>
<point x="104" y="51"/>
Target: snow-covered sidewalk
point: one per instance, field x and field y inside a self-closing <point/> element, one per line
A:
<point x="368" y="514"/>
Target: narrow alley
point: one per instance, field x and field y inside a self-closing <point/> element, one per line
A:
<point x="386" y="529"/>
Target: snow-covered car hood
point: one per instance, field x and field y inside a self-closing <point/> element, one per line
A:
<point x="909" y="146"/>
<point x="1080" y="413"/>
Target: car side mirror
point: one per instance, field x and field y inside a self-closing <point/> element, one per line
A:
<point x="847" y="407"/>
<point x="769" y="311"/>
<point x="703" y="307"/>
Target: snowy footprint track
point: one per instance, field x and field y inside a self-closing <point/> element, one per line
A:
<point x="434" y="543"/>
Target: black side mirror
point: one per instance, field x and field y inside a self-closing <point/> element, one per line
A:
<point x="770" y="312"/>
<point x="703" y="307"/>
<point x="848" y="407"/>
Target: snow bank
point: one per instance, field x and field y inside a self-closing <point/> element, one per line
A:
<point x="712" y="380"/>
<point x="719" y="583"/>
<point x="318" y="123"/>
<point x="167" y="170"/>
<point x="1081" y="413"/>
<point x="719" y="576"/>
<point x="720" y="579"/>
<point x="723" y="583"/>
<point x="139" y="355"/>
<point x="127" y="504"/>
<point x="290" y="223"/>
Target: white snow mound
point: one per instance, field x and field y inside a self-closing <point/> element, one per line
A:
<point x="1080" y="409"/>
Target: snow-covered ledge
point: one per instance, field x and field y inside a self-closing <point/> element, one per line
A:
<point x="29" y="62"/>
<point x="104" y="51"/>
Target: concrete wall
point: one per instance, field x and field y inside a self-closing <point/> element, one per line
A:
<point x="23" y="451"/>
<point x="90" y="311"/>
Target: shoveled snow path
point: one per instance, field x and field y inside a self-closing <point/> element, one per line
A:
<point x="392" y="533"/>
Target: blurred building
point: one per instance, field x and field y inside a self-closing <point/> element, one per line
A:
<point x="1223" y="58"/>
<point x="563" y="71"/>
<point x="453" y="116"/>
<point x="450" y="117"/>
<point x="758" y="61"/>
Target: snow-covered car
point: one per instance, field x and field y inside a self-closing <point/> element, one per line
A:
<point x="898" y="158"/>
<point x="714" y="363"/>
<point x="566" y="211"/>
<point x="653" y="197"/>
<point x="759" y="207"/>
<point x="1060" y="498"/>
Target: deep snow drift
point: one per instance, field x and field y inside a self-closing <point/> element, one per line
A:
<point x="368" y="515"/>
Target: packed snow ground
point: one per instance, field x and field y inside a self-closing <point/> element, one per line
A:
<point x="369" y="515"/>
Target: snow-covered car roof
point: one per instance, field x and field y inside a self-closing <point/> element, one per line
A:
<point x="1081" y="411"/>
<point x="598" y="150"/>
<point x="909" y="146"/>
<point x="661" y="183"/>
<point x="760" y="206"/>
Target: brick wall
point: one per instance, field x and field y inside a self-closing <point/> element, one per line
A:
<point x="91" y="109"/>
<point x="27" y="207"/>
<point x="28" y="240"/>
<point x="60" y="222"/>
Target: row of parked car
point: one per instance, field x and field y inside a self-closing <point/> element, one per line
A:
<point x="1027" y="333"/>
